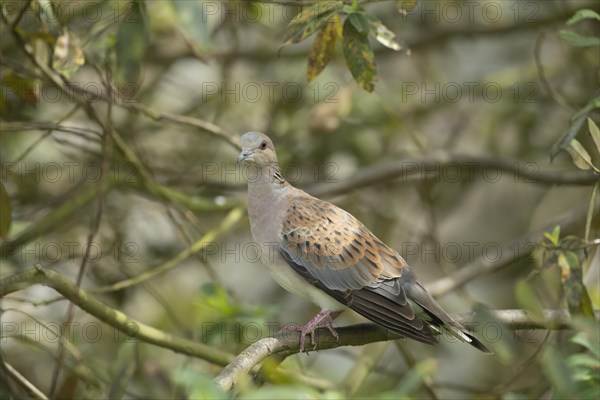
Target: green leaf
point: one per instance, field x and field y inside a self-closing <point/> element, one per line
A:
<point x="360" y="23"/>
<point x="577" y="121"/>
<point x="581" y="158"/>
<point x="67" y="56"/>
<point x="359" y="56"/>
<point x="583" y="14"/>
<point x="578" y="299"/>
<point x="132" y="40"/>
<point x="322" y="48"/>
<point x="404" y="6"/>
<point x="47" y="16"/>
<point x="350" y="8"/>
<point x="583" y="360"/>
<point x="502" y="344"/>
<point x="558" y="373"/>
<point x="216" y="298"/>
<point x="383" y="35"/>
<point x="197" y="384"/>
<point x="414" y="378"/>
<point x="5" y="212"/>
<point x="585" y="305"/>
<point x="594" y="133"/>
<point x="314" y="11"/>
<point x="575" y="39"/>
<point x="289" y="391"/>
<point x="192" y="18"/>
<point x="581" y="338"/>
<point x="554" y="236"/>
<point x="527" y="299"/>
<point x="590" y="211"/>
<point x="309" y="21"/>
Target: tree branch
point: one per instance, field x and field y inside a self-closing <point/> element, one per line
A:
<point x="31" y="389"/>
<point x="228" y="222"/>
<point x="282" y="344"/>
<point x="206" y="126"/>
<point x="439" y="166"/>
<point x="421" y="42"/>
<point x="446" y="166"/>
<point x="509" y="253"/>
<point x="109" y="315"/>
<point x="127" y="325"/>
<point x="361" y="334"/>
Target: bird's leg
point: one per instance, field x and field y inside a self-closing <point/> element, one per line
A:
<point x="324" y="319"/>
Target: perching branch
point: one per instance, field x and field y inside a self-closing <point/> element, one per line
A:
<point x="361" y="334"/>
<point x="282" y="344"/>
<point x="124" y="323"/>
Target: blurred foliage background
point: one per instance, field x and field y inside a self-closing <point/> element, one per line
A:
<point x="120" y="122"/>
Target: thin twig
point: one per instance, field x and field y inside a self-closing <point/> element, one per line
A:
<point x="228" y="222"/>
<point x="103" y="187"/>
<point x="45" y="135"/>
<point x="554" y="95"/>
<point x="21" y="13"/>
<point x="24" y="383"/>
<point x="12" y="126"/>
<point x="370" y="356"/>
<point x="411" y="362"/>
<point x="509" y="253"/>
<point x="156" y="115"/>
<point x="518" y="370"/>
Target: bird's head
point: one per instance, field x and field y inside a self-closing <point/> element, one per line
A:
<point x="257" y="148"/>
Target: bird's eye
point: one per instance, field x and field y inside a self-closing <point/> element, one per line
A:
<point x="263" y="145"/>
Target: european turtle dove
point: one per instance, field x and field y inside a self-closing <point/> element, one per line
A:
<point x="322" y="253"/>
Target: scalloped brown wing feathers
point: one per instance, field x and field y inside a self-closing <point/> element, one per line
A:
<point x="338" y="254"/>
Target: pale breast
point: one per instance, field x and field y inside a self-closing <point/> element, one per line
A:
<point x="266" y="209"/>
<point x="287" y="278"/>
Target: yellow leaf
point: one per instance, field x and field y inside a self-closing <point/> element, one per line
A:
<point x="5" y="212"/>
<point x="404" y="6"/>
<point x="594" y="133"/>
<point x="68" y="55"/>
<point x="580" y="156"/>
<point x="323" y="47"/>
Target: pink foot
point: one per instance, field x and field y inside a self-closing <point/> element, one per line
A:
<point x="324" y="319"/>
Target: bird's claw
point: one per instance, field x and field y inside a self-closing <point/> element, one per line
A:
<point x="321" y="320"/>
